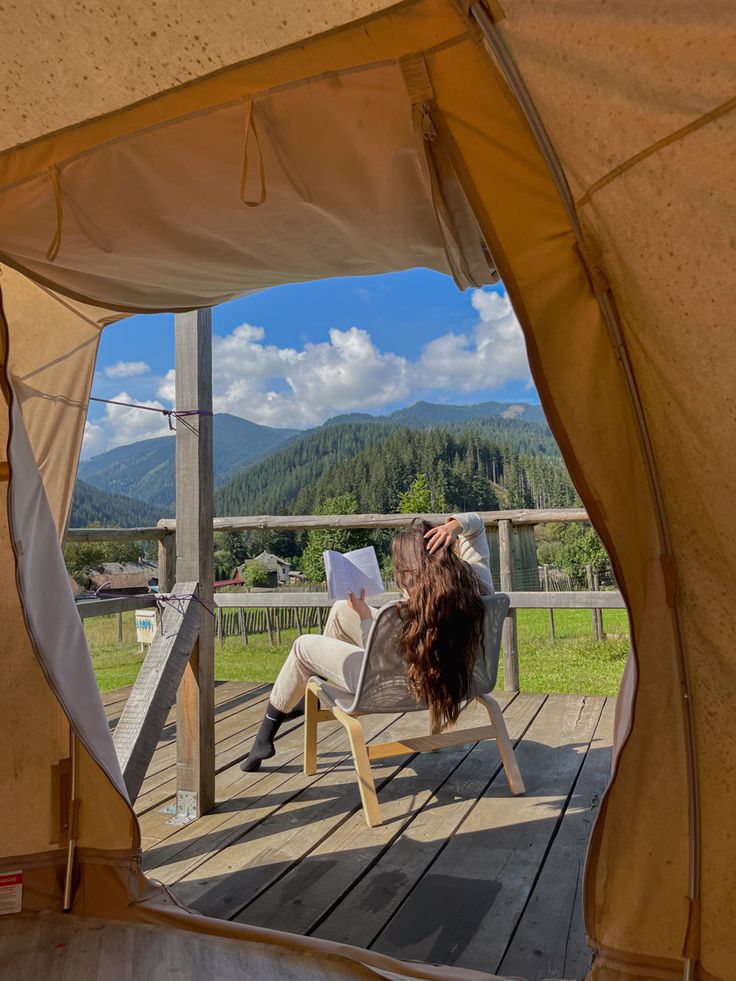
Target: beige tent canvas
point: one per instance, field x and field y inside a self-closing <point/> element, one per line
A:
<point x="168" y="156"/>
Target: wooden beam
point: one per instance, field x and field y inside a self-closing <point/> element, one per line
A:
<point x="582" y="600"/>
<point x="194" y="560"/>
<point x="509" y="638"/>
<point x="144" y="716"/>
<point x="521" y="516"/>
<point x="117" y="604"/>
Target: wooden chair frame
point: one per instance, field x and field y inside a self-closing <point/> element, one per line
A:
<point x="320" y="706"/>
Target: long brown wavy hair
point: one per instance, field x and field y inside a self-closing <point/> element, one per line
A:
<point x="442" y="622"/>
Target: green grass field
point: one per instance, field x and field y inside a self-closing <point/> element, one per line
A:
<point x="575" y="664"/>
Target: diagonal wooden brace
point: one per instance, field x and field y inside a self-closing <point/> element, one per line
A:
<point x="154" y="692"/>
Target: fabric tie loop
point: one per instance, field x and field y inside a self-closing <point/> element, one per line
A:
<point x="250" y="127"/>
<point x="53" y="248"/>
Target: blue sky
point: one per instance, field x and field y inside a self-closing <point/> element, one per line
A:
<point x="295" y="355"/>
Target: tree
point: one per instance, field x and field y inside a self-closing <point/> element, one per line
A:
<point x="580" y="547"/>
<point x="82" y="558"/>
<point x="338" y="539"/>
<point x="419" y="499"/>
<point x="256" y="574"/>
<point x="230" y="551"/>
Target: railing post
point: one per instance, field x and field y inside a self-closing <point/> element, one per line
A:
<point x="195" y="702"/>
<point x="596" y="618"/>
<point x="509" y="638"/>
<point x="167" y="562"/>
<point x="545" y="576"/>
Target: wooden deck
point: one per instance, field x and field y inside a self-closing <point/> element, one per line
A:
<point x="459" y="873"/>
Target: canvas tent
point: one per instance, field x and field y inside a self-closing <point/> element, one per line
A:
<point x="172" y="156"/>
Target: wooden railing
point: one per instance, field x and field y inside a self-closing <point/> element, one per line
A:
<point x="506" y="521"/>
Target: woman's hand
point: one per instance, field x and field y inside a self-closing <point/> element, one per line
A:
<point x="359" y="605"/>
<point x="443" y="536"/>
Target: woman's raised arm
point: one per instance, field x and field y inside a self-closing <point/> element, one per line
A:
<point x="473" y="548"/>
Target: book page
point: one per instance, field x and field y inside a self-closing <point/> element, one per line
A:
<point x="352" y="572"/>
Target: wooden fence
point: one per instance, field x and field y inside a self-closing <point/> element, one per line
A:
<point x="271" y="612"/>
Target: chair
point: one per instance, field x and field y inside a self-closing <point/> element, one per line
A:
<point x="382" y="687"/>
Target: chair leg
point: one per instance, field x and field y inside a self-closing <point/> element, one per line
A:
<point x="505" y="746"/>
<point x="311" y="707"/>
<point x="367" y="787"/>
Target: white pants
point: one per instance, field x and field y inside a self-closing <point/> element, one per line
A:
<point x="335" y="655"/>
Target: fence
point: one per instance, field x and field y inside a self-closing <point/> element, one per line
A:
<point x="299" y="607"/>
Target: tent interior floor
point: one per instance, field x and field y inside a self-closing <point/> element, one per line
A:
<point x="459" y="873"/>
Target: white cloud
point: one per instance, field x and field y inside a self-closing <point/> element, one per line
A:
<point x="123" y="424"/>
<point x="127" y="369"/>
<point x="491" y="356"/>
<point x="94" y="441"/>
<point x="289" y="386"/>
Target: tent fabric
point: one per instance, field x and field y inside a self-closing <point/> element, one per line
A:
<point x="53" y="345"/>
<point x="639" y="107"/>
<point x="647" y="162"/>
<point x="101" y="57"/>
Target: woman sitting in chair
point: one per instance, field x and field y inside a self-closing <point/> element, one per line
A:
<point x="442" y="571"/>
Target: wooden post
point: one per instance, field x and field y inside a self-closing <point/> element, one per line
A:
<point x="167" y="562"/>
<point x="509" y="638"/>
<point x="219" y="626"/>
<point x="243" y="631"/>
<point x="268" y="627"/>
<point x="120" y="628"/>
<point x="277" y="620"/>
<point x="195" y="704"/>
<point x="545" y="580"/>
<point x="600" y="635"/>
<point x="595" y="615"/>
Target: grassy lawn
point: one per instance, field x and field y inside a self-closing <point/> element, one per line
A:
<point x="575" y="664"/>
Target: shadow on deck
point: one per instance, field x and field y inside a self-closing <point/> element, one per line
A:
<point x="459" y="873"/>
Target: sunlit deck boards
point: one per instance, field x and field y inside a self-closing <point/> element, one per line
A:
<point x="460" y="872"/>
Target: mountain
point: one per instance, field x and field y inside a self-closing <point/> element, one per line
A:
<point x="479" y="464"/>
<point x="424" y="414"/>
<point x="146" y="470"/>
<point x="95" y="507"/>
<point x="488" y="452"/>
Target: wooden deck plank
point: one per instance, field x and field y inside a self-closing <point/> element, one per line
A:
<point x="340" y="865"/>
<point x="292" y="852"/>
<point x="235" y="715"/>
<point x="231" y="750"/>
<point x="550" y="939"/>
<point x="465" y="908"/>
<point x="248" y="865"/>
<point x="223" y="691"/>
<point x="238" y="795"/>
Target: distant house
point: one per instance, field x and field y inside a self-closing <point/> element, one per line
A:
<point x="277" y="568"/>
<point x="124" y="577"/>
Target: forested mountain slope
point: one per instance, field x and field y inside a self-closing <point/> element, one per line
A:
<point x="95" y="507"/>
<point x="377" y="463"/>
<point x="146" y="470"/>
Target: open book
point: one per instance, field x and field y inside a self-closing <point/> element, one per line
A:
<point x="351" y="572"/>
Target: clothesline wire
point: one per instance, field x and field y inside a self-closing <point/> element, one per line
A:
<point x="170" y="414"/>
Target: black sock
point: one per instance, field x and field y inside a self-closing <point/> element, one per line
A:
<point x="297" y="711"/>
<point x="263" y="747"/>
